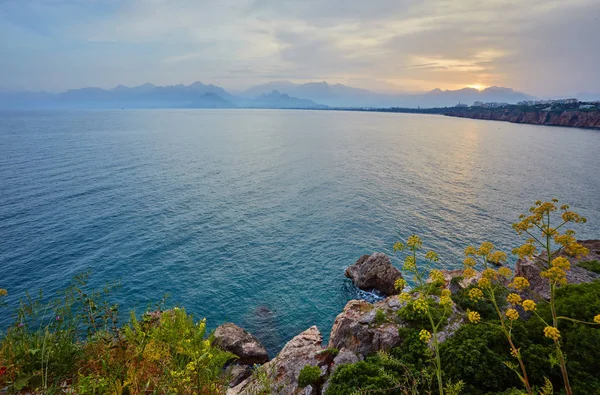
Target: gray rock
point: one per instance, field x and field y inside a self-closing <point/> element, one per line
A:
<point x="238" y="373"/>
<point x="345" y="357"/>
<point x="240" y="342"/>
<point x="540" y="289"/>
<point x="353" y="329"/>
<point x="284" y="369"/>
<point x="374" y="272"/>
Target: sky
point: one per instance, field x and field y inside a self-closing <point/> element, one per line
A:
<point x="541" y="47"/>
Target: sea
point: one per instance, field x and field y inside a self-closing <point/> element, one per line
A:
<point x="252" y="216"/>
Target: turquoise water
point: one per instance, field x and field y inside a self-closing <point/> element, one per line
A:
<point x="253" y="215"/>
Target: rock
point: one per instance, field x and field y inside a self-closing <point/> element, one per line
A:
<point x="240" y="342"/>
<point x="539" y="286"/>
<point x="284" y="369"/>
<point x="374" y="272"/>
<point x="345" y="357"/>
<point x="458" y="285"/>
<point x="238" y="373"/>
<point x="354" y="329"/>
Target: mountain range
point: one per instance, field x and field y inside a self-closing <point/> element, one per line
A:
<point x="276" y="94"/>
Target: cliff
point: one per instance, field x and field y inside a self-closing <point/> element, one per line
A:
<point x="573" y="118"/>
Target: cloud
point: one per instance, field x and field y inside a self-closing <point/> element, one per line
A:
<point x="541" y="46"/>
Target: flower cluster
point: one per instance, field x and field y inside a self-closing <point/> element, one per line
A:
<point x="552" y="333"/>
<point x="474" y="316"/>
<point x="425" y="335"/>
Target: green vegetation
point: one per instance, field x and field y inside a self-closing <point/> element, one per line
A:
<point x="593" y="266"/>
<point x="75" y="341"/>
<point x="310" y="375"/>
<point x="380" y="317"/>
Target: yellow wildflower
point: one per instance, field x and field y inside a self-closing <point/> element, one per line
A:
<point x="470" y="251"/>
<point x="570" y="216"/>
<point x="512" y="314"/>
<point x="420" y="305"/>
<point x="399" y="284"/>
<point x="597" y="319"/>
<point x="561" y="263"/>
<point x="485" y="248"/>
<point x="484" y="282"/>
<point x="505" y="272"/>
<point x="490" y="274"/>
<point x="191" y="366"/>
<point x="556" y="275"/>
<point x="3" y="292"/>
<point x="446" y="292"/>
<point x="474" y="316"/>
<point x="424" y="335"/>
<point x="475" y="294"/>
<point x="497" y="257"/>
<point x="469" y="273"/>
<point x="404" y="297"/>
<point x="576" y="250"/>
<point x="515" y="352"/>
<point x="513" y="299"/>
<point x="519" y="283"/>
<point x="552" y="333"/>
<point x="409" y="264"/>
<point x="528" y="305"/>
<point x="414" y="242"/>
<point x="446" y="301"/>
<point x="399" y="246"/>
<point x="432" y="256"/>
<point x="526" y="250"/>
<point x="470" y="262"/>
<point x="436" y="276"/>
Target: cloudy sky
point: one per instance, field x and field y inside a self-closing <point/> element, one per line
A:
<point x="542" y="47"/>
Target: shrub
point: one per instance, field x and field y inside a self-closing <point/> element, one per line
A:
<point x="378" y="374"/>
<point x="309" y="375"/>
<point x="593" y="266"/>
<point x="581" y="342"/>
<point x="415" y="318"/>
<point x="380" y="317"/>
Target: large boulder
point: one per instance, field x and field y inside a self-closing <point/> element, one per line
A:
<point x="374" y="272"/>
<point x="240" y="342"/>
<point x="355" y="329"/>
<point x="283" y="370"/>
<point x="540" y="289"/>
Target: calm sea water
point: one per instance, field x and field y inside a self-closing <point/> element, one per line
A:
<point x="252" y="216"/>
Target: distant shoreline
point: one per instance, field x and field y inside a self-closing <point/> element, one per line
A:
<point x="514" y="114"/>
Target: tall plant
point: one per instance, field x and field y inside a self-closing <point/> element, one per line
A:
<point x="549" y="234"/>
<point x="428" y="281"/>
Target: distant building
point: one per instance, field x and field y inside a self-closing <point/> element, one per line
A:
<point x="477" y="104"/>
<point x="587" y="106"/>
<point x="461" y="105"/>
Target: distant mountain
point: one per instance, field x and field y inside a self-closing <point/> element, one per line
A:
<point x="211" y="100"/>
<point x="339" y="95"/>
<point x="275" y="99"/>
<point x="276" y="94"/>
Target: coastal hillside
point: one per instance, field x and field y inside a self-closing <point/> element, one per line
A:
<point x="533" y="116"/>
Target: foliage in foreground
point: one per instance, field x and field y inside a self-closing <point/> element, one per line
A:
<point x="75" y="342"/>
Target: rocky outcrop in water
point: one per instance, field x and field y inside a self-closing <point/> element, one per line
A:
<point x="374" y="272"/>
<point x="574" y="118"/>
<point x="238" y="341"/>
<point x="539" y="286"/>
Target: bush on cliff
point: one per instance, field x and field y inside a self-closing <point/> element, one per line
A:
<point x="74" y="343"/>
